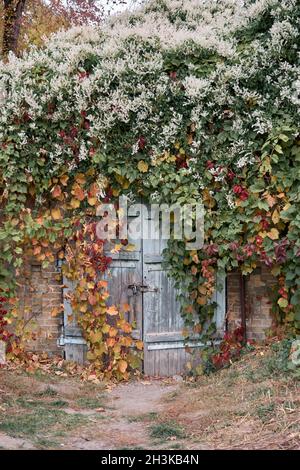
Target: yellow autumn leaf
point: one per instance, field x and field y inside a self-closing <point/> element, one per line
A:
<point x="75" y="203"/>
<point x="56" y="214"/>
<point x="56" y="311"/>
<point x="105" y="328"/>
<point x="263" y="234"/>
<point x="139" y="345"/>
<point x="286" y="207"/>
<point x="275" y="217"/>
<point x="95" y="336"/>
<point x="127" y="328"/>
<point x="116" y="192"/>
<point x="143" y="166"/>
<point x="91" y="355"/>
<point x="116" y="248"/>
<point x="273" y="234"/>
<point x="122" y="366"/>
<point x="92" y="201"/>
<point x="83" y="308"/>
<point x="78" y="192"/>
<point x="64" y="180"/>
<point x="275" y="271"/>
<point x="126" y="341"/>
<point x="202" y="290"/>
<point x="80" y="178"/>
<point x="247" y="269"/>
<point x="201" y="300"/>
<point x="119" y="178"/>
<point x="130" y="247"/>
<point x="113" y="332"/>
<point x="126" y="183"/>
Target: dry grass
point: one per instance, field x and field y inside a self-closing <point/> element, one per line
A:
<point x="42" y="411"/>
<point x="243" y="407"/>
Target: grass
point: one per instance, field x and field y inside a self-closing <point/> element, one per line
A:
<point x="48" y="392"/>
<point x="29" y="403"/>
<point x="151" y="416"/>
<point x="175" y="446"/>
<point x="90" y="402"/>
<point x="37" y="421"/>
<point x="264" y="411"/>
<point x="44" y="443"/>
<point x="261" y="392"/>
<point x="167" y="430"/>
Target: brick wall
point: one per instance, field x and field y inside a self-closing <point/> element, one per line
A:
<point x="258" y="317"/>
<point x="40" y="292"/>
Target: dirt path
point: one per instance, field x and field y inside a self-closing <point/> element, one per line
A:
<point x="89" y="417"/>
<point x="123" y="423"/>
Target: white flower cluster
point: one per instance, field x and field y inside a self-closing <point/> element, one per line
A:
<point x="152" y="72"/>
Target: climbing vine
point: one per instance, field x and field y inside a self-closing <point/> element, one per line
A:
<point x="181" y="102"/>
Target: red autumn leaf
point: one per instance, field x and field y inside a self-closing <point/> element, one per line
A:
<point x="56" y="191"/>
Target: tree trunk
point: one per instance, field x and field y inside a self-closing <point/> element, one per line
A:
<point x="13" y="10"/>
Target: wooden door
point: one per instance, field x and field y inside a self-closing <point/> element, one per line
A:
<point x="137" y="278"/>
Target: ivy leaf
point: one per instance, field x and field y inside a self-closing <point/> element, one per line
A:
<point x="122" y="366"/>
<point x="92" y="201"/>
<point x="143" y="166"/>
<point x="95" y="336"/>
<point x="275" y="217"/>
<point x="56" y="214"/>
<point x="112" y="310"/>
<point x="64" y="180"/>
<point x="75" y="203"/>
<point x="78" y="193"/>
<point x="283" y="303"/>
<point x="56" y="191"/>
<point x="273" y="234"/>
<point x="80" y="178"/>
<point x="139" y="345"/>
<point x="270" y="200"/>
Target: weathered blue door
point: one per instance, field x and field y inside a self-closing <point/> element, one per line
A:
<point x="137" y="278"/>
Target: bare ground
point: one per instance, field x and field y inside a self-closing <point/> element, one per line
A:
<point x="243" y="407"/>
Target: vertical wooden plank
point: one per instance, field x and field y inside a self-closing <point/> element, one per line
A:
<point x="161" y="312"/>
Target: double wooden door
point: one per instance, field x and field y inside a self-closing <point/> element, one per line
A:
<point x="137" y="278"/>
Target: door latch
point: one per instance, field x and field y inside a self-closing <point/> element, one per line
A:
<point x="140" y="288"/>
<point x="134" y="288"/>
